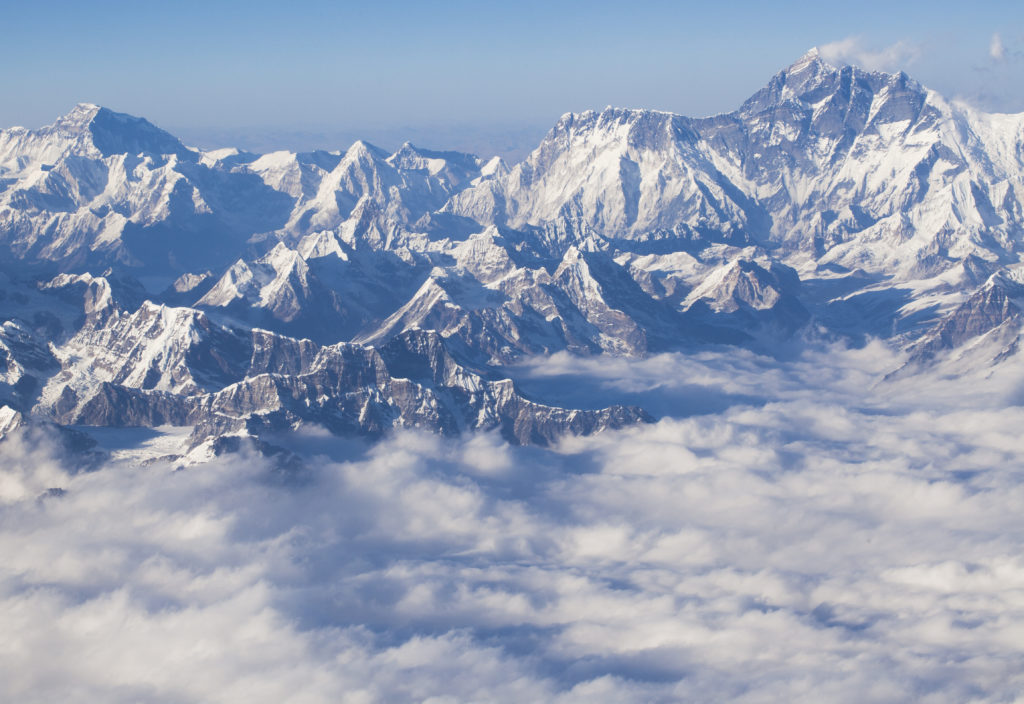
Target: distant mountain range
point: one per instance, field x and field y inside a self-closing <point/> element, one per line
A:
<point x="146" y="283"/>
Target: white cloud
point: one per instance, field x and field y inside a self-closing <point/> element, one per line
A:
<point x="802" y="538"/>
<point x="996" y="50"/>
<point x="852" y="50"/>
<point x="31" y="466"/>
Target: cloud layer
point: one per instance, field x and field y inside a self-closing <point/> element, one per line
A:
<point x="794" y="532"/>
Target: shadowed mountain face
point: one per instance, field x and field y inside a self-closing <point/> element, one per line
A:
<point x="147" y="283"/>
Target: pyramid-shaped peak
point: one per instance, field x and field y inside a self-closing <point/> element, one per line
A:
<point x="810" y="63"/>
<point x="78" y="118"/>
<point x="361" y="149"/>
<point x="113" y="132"/>
<point x="83" y="110"/>
<point x="809" y="58"/>
<point x="835" y="59"/>
<point x="812" y="79"/>
<point x="409" y="155"/>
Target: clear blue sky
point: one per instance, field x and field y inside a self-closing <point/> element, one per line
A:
<point x="395" y="65"/>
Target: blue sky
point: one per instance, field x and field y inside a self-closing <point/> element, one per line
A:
<point x="416" y="66"/>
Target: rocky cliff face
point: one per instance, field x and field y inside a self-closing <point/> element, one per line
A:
<point x="175" y="366"/>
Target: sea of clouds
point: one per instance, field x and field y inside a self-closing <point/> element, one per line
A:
<point x="796" y="531"/>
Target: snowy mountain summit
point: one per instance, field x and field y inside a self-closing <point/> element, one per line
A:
<point x="147" y="283"/>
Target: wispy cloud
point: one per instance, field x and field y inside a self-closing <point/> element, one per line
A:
<point x="996" y="50"/>
<point x="852" y="50"/>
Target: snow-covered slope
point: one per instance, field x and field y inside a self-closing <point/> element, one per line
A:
<point x="99" y="187"/>
<point x="830" y="166"/>
<point x="364" y="290"/>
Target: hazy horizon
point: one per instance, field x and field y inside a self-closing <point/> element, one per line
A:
<point x="511" y="142"/>
<point x="464" y="75"/>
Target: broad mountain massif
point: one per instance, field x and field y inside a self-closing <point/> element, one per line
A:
<point x="145" y="283"/>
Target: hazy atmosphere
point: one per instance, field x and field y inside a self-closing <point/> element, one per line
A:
<point x="481" y="77"/>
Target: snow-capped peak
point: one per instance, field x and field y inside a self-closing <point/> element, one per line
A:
<point x="119" y="133"/>
<point x="79" y="116"/>
<point x="809" y="58"/>
<point x="90" y="131"/>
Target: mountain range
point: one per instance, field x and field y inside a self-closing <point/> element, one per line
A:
<point x="145" y="283"/>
